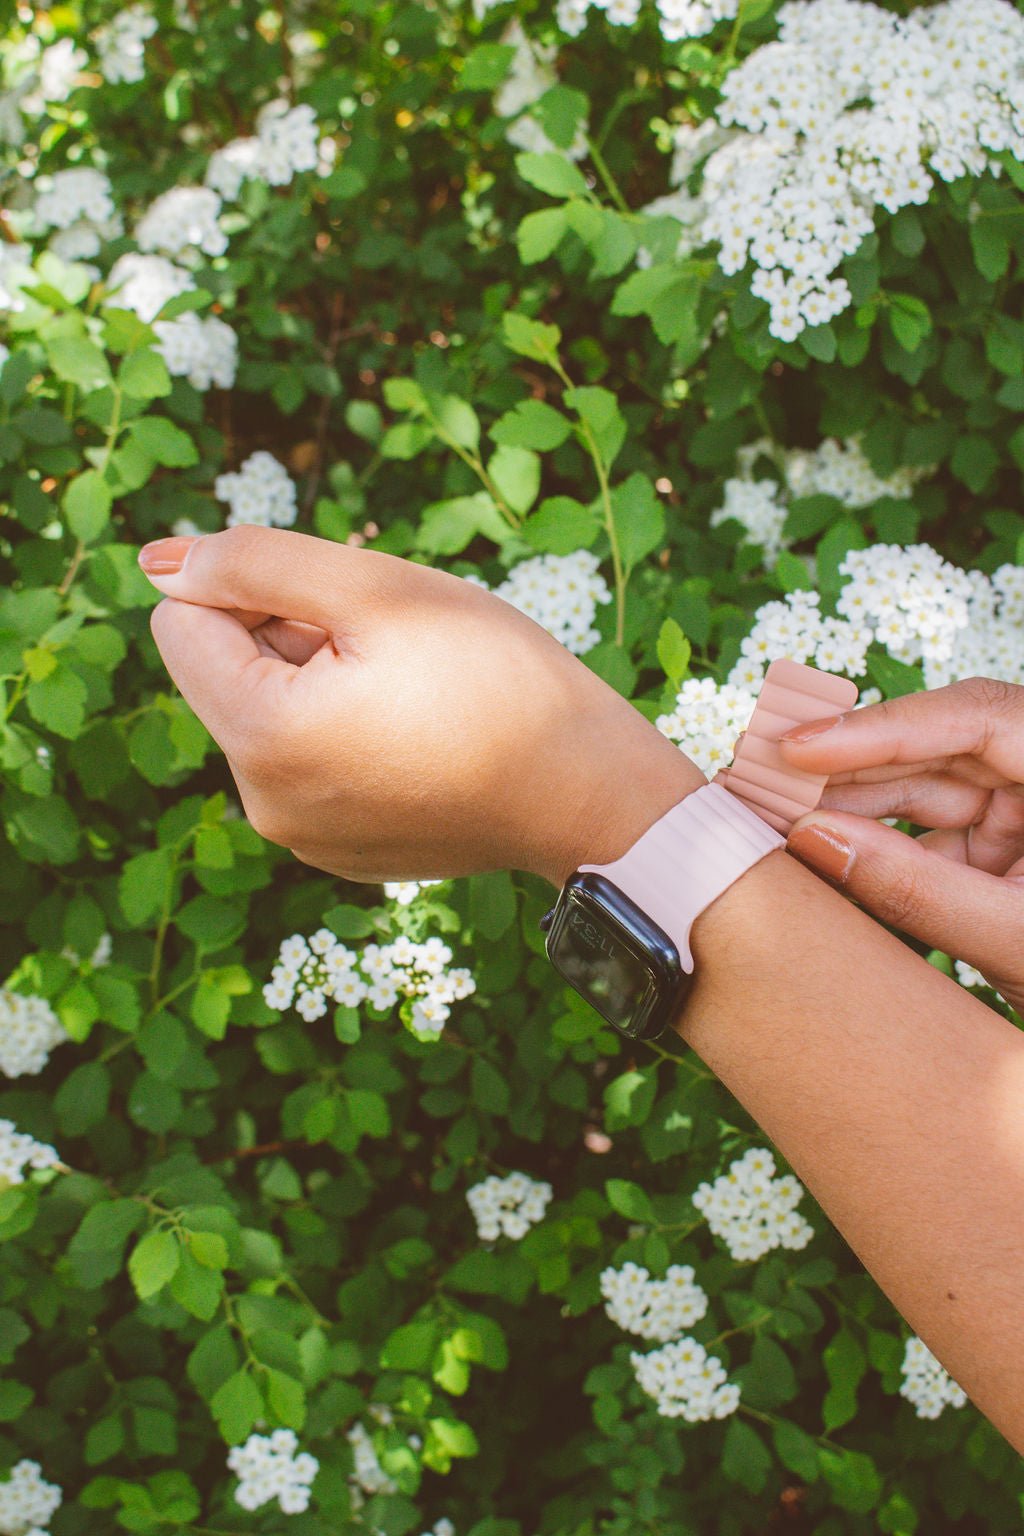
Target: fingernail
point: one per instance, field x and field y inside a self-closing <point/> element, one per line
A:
<point x="824" y="851"/>
<point x="164" y="557"/>
<point x="815" y="728"/>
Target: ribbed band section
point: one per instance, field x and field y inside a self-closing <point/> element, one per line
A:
<point x="792" y="694"/>
<point x="688" y="858"/>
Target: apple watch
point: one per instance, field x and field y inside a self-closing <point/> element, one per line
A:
<point x="620" y="932"/>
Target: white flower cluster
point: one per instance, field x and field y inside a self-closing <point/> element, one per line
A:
<point x="261" y="491"/>
<point x="406" y="891"/>
<point x="676" y="18"/>
<point x="441" y="1527"/>
<point x="706" y="720"/>
<point x="369" y="1474"/>
<point x="18" y="1152"/>
<point x="795" y="627"/>
<point x="686" y="1382"/>
<point x="833" y="469"/>
<point x="202" y="350"/>
<point x="913" y="599"/>
<point x="267" y="1468"/>
<point x="751" y="1210"/>
<point x="969" y="975"/>
<point x="27" y="1502"/>
<point x="560" y="592"/>
<point x="511" y="1205"/>
<point x="309" y="972"/>
<point x="531" y="74"/>
<point x="992" y="644"/>
<point x="29" y="1030"/>
<point x="78" y="204"/>
<point x="925" y="1382"/>
<point x="121" y="45"/>
<point x="853" y="109"/>
<point x="654" y="1309"/>
<point x="59" y="67"/>
<point x="183" y="221"/>
<point x="287" y="141"/>
<point x="842" y="470"/>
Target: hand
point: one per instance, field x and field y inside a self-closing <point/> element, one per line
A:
<point x="386" y="721"/>
<point x="952" y="760"/>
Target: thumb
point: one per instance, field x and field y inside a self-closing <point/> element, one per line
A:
<point x="965" y="912"/>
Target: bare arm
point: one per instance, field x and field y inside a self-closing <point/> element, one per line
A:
<point x="896" y="1097"/>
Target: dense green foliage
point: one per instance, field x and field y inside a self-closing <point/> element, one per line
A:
<point x="453" y="351"/>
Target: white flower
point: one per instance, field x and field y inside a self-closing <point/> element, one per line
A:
<point x="560" y="592"/>
<point x="202" y="350"/>
<point x="530" y="76"/>
<point x="751" y="1210"/>
<point x="229" y="168"/>
<point x="368" y="1474"/>
<point x="121" y="44"/>
<point x="268" y="1468"/>
<point x="288" y="139"/>
<point x="406" y="891"/>
<point x="654" y="1309"/>
<point x="510" y="1205"/>
<point x="18" y="1152"/>
<point x="27" y="1503"/>
<point x="686" y="1382"/>
<point x="67" y="197"/>
<point x="29" y="1031"/>
<point x="144" y="284"/>
<point x="925" y="1383"/>
<point x="706" y="720"/>
<point x="183" y="221"/>
<point x="261" y="491"/>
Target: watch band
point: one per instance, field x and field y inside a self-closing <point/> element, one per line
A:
<point x="760" y="777"/>
<point x="689" y="857"/>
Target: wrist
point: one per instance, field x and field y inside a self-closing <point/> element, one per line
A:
<point x="618" y="796"/>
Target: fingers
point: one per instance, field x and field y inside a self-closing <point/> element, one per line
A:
<point x="927" y="799"/>
<point x="979" y="717"/>
<point x="217" y="666"/>
<point x="965" y="912"/>
<point x="274" y="571"/>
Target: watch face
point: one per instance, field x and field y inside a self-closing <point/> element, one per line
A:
<point x="614" y="956"/>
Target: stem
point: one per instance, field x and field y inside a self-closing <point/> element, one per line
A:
<point x="609" y="516"/>
<point x="611" y="185"/>
<point x="477" y="466"/>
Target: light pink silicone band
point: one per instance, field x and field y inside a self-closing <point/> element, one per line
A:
<point x="688" y="857"/>
<point x="792" y="693"/>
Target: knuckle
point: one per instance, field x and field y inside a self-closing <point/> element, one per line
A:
<point x="992" y="694"/>
<point x="902" y="896"/>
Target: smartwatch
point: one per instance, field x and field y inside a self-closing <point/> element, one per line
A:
<point x="619" y="933"/>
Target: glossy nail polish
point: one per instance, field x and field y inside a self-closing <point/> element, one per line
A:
<point x="812" y="729"/>
<point x="824" y="851"/>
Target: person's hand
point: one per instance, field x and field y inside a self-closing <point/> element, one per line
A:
<point x="385" y="720"/>
<point x="952" y="760"/>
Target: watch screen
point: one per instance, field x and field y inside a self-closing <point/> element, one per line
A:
<point x="592" y="956"/>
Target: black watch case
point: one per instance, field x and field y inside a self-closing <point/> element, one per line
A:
<point x="611" y="952"/>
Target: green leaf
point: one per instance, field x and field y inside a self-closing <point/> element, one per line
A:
<point x="81" y="1100"/>
<point x="287" y="1398"/>
<point x="895" y="678"/>
<point x="411" y="1346"/>
<point x="669" y="294"/>
<point x="532" y="424"/>
<point x="209" y="1248"/>
<point x="144" y="885"/>
<point x="673" y="650"/>
<point x="629" y="1200"/>
<point x="854" y="1479"/>
<point x="791" y="573"/>
<point x="561" y="111"/>
<point x="991" y="248"/>
<point x="540" y="233"/>
<point x="489" y="1088"/>
<point x="78" y="361"/>
<point x="745" y="1458"/>
<point x="639" y="518"/>
<point x="236" y="1405"/>
<point x="486" y="67"/>
<point x="405" y="440"/>
<point x="213" y="1360"/>
<point x="492" y="903"/>
<point x="552" y="173"/>
<point x="96" y="1251"/>
<point x="58" y="702"/>
<point x="164" y="442"/>
<point x="153" y="1261"/>
<point x="845" y="1364"/>
<point x="628" y="1099"/>
<point x="143" y="375"/>
<point x="910" y="319"/>
<point x="197" y="1287"/>
<point x="448" y="526"/>
<point x="531" y="338"/>
<point x="769" y="1379"/>
<point x="515" y="473"/>
<point x="797" y="1451"/>
<point x="14" y="1399"/>
<point x="975" y="460"/>
<point x="561" y="525"/>
<point x="87" y="504"/>
<point x="456" y="419"/>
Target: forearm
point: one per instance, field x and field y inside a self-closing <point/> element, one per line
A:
<point x="896" y="1097"/>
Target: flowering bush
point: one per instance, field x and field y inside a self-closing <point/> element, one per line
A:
<point x="688" y="327"/>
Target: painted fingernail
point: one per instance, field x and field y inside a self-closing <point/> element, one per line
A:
<point x="165" y="557"/>
<point x="814" y="728"/>
<point x="824" y="851"/>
